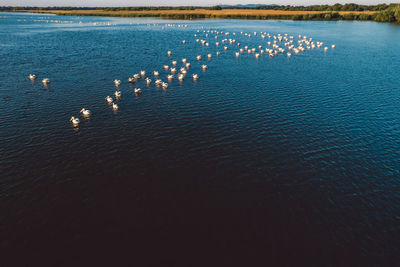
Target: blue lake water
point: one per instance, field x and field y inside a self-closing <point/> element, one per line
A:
<point x="270" y="159"/>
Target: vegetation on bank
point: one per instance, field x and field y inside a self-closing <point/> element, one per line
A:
<point x="332" y="8"/>
<point x="380" y="13"/>
<point x="391" y="14"/>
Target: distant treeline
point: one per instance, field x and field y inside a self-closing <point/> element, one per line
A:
<point x="335" y="7"/>
<point x="31" y="8"/>
<point x="382" y="12"/>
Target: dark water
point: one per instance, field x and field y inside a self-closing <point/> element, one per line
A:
<point x="261" y="161"/>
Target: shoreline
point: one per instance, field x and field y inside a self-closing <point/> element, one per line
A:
<point x="252" y="14"/>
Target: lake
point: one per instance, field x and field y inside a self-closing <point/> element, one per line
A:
<point x="274" y="160"/>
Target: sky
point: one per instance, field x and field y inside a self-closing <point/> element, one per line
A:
<point x="115" y="3"/>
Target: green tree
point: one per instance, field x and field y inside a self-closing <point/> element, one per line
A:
<point x="348" y="16"/>
<point x="397" y="13"/>
<point x="337" y="7"/>
<point x="216" y="8"/>
<point x="327" y="16"/>
<point x="364" y="17"/>
<point x="385" y="16"/>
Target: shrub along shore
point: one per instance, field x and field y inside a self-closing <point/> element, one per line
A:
<point x="380" y="13"/>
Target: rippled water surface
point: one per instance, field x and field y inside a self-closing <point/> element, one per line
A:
<point x="268" y="159"/>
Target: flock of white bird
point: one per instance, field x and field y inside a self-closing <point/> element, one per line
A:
<point x="275" y="44"/>
<point x="272" y="45"/>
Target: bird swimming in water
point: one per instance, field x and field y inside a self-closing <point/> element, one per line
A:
<point x="85" y="112"/>
<point x="75" y="121"/>
<point x="109" y="99"/>
<point x="46" y="81"/>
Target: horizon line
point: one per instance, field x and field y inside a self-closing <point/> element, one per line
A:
<point x="122" y="6"/>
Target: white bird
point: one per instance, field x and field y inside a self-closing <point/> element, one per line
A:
<point x="173" y="70"/>
<point x="237" y="54"/>
<point x="32" y="76"/>
<point x="204" y="67"/>
<point x="174" y="62"/>
<point x="117" y="93"/>
<point x="333" y="46"/>
<point x="117" y="82"/>
<point x="217" y="53"/>
<point x="156" y="73"/>
<point x="198" y="57"/>
<point x="85" y="112"/>
<point x="115" y="106"/>
<point x="181" y="77"/>
<point x="109" y="99"/>
<point x="184" y="60"/>
<point x="143" y="73"/>
<point x="75" y="121"/>
<point x="136" y="76"/>
<point x="158" y="82"/>
<point x="209" y="55"/>
<point x="166" y="67"/>
<point x="188" y="65"/>
<point x="46" y="81"/>
<point x="169" y="53"/>
<point x="170" y="77"/>
<point x="195" y="77"/>
<point x="137" y="90"/>
<point x="131" y="80"/>
<point x="148" y="81"/>
<point x="164" y="85"/>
